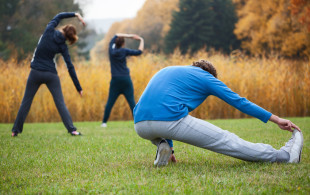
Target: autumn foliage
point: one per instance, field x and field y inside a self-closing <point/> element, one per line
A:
<point x="278" y="26"/>
<point x="301" y="10"/>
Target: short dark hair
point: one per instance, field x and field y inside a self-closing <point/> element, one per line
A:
<point x="207" y="66"/>
<point x="119" y="41"/>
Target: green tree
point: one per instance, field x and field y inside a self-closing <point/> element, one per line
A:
<point x="7" y="10"/>
<point x="24" y="22"/>
<point x="202" y="23"/>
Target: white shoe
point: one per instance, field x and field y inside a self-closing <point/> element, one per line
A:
<point x="163" y="154"/>
<point x="294" y="147"/>
<point x="103" y="125"/>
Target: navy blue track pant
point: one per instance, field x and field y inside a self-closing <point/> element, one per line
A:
<point x="35" y="79"/>
<point x="119" y="85"/>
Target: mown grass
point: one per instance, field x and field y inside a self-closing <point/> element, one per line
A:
<point x="45" y="159"/>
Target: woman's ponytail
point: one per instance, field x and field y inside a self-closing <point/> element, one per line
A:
<point x="70" y="33"/>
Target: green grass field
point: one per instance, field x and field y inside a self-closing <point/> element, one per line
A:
<point x="45" y="159"/>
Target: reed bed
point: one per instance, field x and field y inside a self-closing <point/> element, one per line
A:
<point x="279" y="85"/>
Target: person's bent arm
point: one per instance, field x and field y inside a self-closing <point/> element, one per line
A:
<point x="141" y="46"/>
<point x="133" y="36"/>
<point x="125" y="35"/>
<point x="283" y="123"/>
<point x="112" y="42"/>
<point x="80" y="18"/>
<point x="55" y="21"/>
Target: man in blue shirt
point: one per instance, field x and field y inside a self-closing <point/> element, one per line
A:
<point x="161" y="115"/>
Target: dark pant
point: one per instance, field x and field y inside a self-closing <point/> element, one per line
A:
<point x="35" y="79"/>
<point x="119" y="85"/>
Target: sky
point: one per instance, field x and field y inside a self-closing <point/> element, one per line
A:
<point x="105" y="9"/>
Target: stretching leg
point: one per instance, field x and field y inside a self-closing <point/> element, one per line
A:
<point x="129" y="95"/>
<point x="206" y="135"/>
<point x="53" y="84"/>
<point x="113" y="95"/>
<point x="32" y="87"/>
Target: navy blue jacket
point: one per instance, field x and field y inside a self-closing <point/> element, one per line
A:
<point x="118" y="59"/>
<point x="52" y="42"/>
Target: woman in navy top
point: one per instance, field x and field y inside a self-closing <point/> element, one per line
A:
<point x="121" y="82"/>
<point x="43" y="71"/>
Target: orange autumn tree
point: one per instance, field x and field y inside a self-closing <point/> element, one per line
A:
<point x="301" y="10"/>
<point x="278" y="26"/>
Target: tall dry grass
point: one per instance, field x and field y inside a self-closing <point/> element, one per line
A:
<point x="278" y="85"/>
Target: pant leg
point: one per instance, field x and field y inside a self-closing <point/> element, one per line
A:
<point x="114" y="92"/>
<point x="205" y="135"/>
<point x="128" y="92"/>
<point x="32" y="86"/>
<point x="53" y="84"/>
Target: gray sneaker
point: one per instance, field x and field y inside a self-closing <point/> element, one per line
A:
<point x="294" y="147"/>
<point x="163" y="154"/>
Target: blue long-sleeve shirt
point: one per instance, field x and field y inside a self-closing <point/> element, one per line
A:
<point x="177" y="90"/>
<point x="52" y="42"/>
<point x="118" y="58"/>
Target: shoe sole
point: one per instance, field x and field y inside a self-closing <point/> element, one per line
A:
<point x="302" y="137"/>
<point x="300" y="155"/>
<point x="163" y="155"/>
<point x="80" y="134"/>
